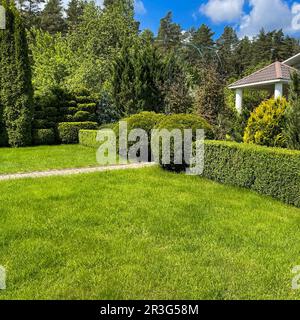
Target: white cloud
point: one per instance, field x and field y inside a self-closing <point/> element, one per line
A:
<point x="139" y="7"/>
<point x="267" y="14"/>
<point x="223" y="10"/>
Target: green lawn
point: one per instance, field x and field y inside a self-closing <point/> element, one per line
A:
<point x="145" y="234"/>
<point x="45" y="158"/>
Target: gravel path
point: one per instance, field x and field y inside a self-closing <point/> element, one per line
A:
<point x="67" y="172"/>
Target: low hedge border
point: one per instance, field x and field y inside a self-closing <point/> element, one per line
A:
<point x="269" y="171"/>
<point x="68" y="131"/>
<point x="87" y="138"/>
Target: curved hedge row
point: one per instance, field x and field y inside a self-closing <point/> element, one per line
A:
<point x="269" y="171"/>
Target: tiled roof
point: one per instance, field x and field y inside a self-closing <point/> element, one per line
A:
<point x="273" y="72"/>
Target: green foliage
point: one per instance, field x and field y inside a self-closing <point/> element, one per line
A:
<point x="31" y="12"/>
<point x="74" y="13"/>
<point x="209" y="100"/>
<point x="292" y="126"/>
<point x="182" y="122"/>
<point x="68" y="131"/>
<point x="145" y="121"/>
<point x="169" y="34"/>
<point x="106" y="111"/>
<point x="137" y="78"/>
<point x="51" y="61"/>
<point x="15" y="81"/>
<point x="89" y="107"/>
<point x="87" y="138"/>
<point x="52" y="19"/>
<point x="176" y="86"/>
<point x="43" y="137"/>
<point x="269" y="171"/>
<point x="80" y="116"/>
<point x="226" y="45"/>
<point x="266" y="123"/>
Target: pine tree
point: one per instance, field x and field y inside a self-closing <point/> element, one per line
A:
<point x="202" y="45"/>
<point x="15" y="80"/>
<point x="292" y="129"/>
<point x="227" y="45"/>
<point x="74" y="13"/>
<point x="243" y="56"/>
<point x="52" y="19"/>
<point x="31" y="12"/>
<point x="169" y="34"/>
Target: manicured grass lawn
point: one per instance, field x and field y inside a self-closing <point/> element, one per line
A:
<point x="145" y="234"/>
<point x="45" y="158"/>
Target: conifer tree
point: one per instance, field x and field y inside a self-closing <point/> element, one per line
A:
<point x="74" y="13"/>
<point x="169" y="34"/>
<point x="52" y="19"/>
<point x="15" y="79"/>
<point x="227" y="45"/>
<point x="31" y="12"/>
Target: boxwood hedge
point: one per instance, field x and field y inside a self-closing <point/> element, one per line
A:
<point x="68" y="131"/>
<point x="269" y="171"/>
<point x="88" y="138"/>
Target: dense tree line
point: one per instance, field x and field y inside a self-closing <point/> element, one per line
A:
<point x="103" y="50"/>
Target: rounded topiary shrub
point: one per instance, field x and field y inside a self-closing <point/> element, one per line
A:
<point x="181" y="122"/>
<point x="144" y="120"/>
<point x="43" y="137"/>
<point x="266" y="123"/>
<point x="81" y="116"/>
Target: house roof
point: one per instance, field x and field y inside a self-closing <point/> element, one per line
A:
<point x="293" y="61"/>
<point x="276" y="72"/>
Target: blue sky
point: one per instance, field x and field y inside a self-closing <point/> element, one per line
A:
<point x="246" y="16"/>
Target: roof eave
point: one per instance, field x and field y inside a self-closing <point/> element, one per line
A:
<point x="255" y="84"/>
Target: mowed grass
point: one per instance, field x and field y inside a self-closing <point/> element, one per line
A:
<point x="145" y="234"/>
<point x="46" y="158"/>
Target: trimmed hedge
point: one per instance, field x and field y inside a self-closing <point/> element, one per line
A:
<point x="269" y="171"/>
<point x="182" y="122"/>
<point x="89" y="107"/>
<point x="81" y="116"/>
<point x="68" y="131"/>
<point x="43" y="137"/>
<point x="87" y="138"/>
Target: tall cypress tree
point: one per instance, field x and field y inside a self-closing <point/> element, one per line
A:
<point x="15" y="80"/>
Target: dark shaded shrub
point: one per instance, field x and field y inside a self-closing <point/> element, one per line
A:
<point x="181" y="122"/>
<point x="43" y="137"/>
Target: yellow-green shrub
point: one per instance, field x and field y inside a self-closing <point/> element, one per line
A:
<point x="266" y="123"/>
